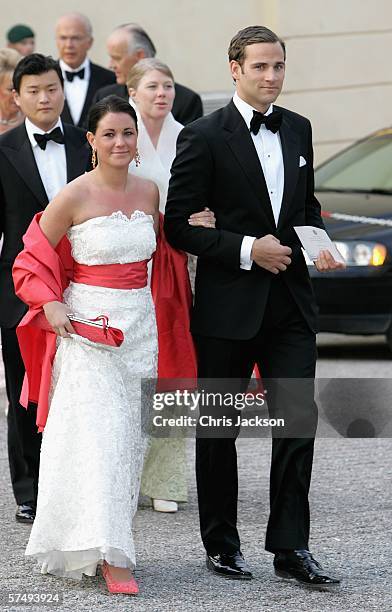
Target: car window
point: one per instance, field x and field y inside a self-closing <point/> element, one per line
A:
<point x="366" y="166"/>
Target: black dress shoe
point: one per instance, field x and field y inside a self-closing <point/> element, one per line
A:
<point x="230" y="566"/>
<point x="300" y="565"/>
<point x="25" y="513"/>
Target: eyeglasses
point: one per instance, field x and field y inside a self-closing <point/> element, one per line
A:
<point x="73" y="39"/>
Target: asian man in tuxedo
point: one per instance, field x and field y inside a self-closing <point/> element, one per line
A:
<point x="128" y="44"/>
<point x="252" y="164"/>
<point x="82" y="78"/>
<point x="37" y="159"/>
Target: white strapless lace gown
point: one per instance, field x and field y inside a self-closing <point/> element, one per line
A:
<point x="93" y="446"/>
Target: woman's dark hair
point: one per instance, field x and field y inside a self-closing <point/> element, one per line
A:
<point x="36" y="63"/>
<point x="110" y="104"/>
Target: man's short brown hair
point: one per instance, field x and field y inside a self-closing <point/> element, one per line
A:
<point x="250" y="36"/>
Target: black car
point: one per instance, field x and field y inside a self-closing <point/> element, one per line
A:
<point x="355" y="191"/>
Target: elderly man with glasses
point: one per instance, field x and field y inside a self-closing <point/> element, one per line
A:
<point x="82" y="78"/>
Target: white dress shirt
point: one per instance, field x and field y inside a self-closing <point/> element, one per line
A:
<point x="51" y="163"/>
<point x="269" y="151"/>
<point x="75" y="92"/>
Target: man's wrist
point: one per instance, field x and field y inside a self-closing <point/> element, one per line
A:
<point x="246" y="252"/>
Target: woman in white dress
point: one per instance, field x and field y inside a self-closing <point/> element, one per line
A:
<point x="151" y="90"/>
<point x="93" y="444"/>
<point x="92" y="447"/>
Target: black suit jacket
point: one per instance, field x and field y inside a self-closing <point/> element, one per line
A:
<point x="217" y="166"/>
<point x="22" y="195"/>
<point x="99" y="77"/>
<point x="187" y="105"/>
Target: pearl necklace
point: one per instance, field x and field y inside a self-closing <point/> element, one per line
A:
<point x="9" y="121"/>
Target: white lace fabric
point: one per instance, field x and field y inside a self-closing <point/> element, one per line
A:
<point x="93" y="445"/>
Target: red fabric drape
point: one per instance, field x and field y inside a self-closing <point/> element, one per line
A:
<point x="172" y="295"/>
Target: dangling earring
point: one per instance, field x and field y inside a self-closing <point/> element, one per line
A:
<point x="137" y="158"/>
<point x="94" y="159"/>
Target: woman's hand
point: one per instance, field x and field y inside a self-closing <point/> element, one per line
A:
<point x="56" y="314"/>
<point x="204" y="218"/>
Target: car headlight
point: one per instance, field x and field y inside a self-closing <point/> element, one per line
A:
<point x="362" y="253"/>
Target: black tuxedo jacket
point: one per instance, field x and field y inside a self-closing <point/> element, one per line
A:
<point x="217" y="166"/>
<point x="22" y="195"/>
<point x="99" y="77"/>
<point x="187" y="105"/>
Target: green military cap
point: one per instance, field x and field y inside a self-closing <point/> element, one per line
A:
<point x="19" y="32"/>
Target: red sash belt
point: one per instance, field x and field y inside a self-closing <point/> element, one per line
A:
<point x="115" y="276"/>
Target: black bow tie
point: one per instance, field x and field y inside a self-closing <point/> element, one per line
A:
<point x="272" y="121"/>
<point x="43" y="139"/>
<point x="71" y="75"/>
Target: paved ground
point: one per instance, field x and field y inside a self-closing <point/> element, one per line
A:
<point x="351" y="524"/>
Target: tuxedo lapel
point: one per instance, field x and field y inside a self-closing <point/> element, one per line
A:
<point x="75" y="151"/>
<point x="66" y="114"/>
<point x="22" y="158"/>
<point x="91" y="89"/>
<point x="290" y="151"/>
<point x="240" y="142"/>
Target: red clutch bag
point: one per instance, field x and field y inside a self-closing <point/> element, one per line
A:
<point x="97" y="330"/>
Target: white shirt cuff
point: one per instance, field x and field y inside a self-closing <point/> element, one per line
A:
<point x="245" y="254"/>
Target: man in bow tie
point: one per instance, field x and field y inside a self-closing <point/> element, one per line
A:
<point x="252" y="164"/>
<point x="37" y="159"/>
<point x="82" y="78"/>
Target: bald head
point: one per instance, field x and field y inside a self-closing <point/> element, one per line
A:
<point x="75" y="18"/>
<point x="126" y="45"/>
<point x="73" y="38"/>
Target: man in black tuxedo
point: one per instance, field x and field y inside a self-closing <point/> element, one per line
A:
<point x="252" y="164"/>
<point x="127" y="45"/>
<point x="37" y="159"/>
<point x="82" y="78"/>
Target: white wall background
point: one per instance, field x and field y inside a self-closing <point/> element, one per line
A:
<point x="339" y="71"/>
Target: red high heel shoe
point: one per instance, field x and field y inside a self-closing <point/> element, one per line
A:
<point x="129" y="587"/>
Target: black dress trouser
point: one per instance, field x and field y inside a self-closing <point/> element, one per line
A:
<point x="24" y="443"/>
<point x="285" y="347"/>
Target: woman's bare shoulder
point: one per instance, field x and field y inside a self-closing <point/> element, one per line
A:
<point x="79" y="187"/>
<point x="141" y="184"/>
<point x="75" y="190"/>
<point x="145" y="191"/>
<point x="68" y="200"/>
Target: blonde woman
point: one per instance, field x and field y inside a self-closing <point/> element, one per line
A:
<point x="10" y="115"/>
<point x="151" y="90"/>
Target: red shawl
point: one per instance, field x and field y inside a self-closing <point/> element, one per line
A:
<point x="42" y="273"/>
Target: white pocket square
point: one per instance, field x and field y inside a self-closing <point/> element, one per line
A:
<point x="302" y="161"/>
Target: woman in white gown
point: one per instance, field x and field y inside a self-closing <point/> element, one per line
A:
<point x="92" y="448"/>
<point x="93" y="444"/>
<point x="151" y="89"/>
